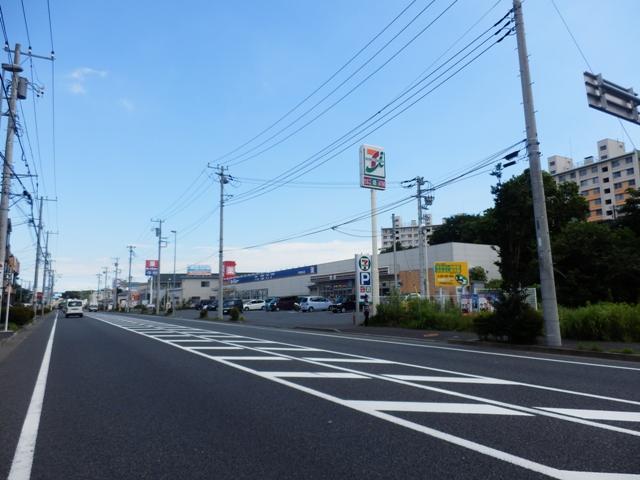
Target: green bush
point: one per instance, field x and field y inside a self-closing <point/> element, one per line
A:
<point x="234" y="314"/>
<point x="617" y="322"/>
<point x="513" y="320"/>
<point x="19" y="316"/>
<point x="421" y="314"/>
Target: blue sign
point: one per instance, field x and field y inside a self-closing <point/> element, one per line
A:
<point x="290" y="272"/>
<point x="365" y="279"/>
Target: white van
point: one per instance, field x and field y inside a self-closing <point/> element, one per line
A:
<point x="73" y="308"/>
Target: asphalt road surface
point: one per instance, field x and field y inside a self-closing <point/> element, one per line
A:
<point x="123" y="397"/>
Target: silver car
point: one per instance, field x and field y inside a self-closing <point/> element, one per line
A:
<point x="309" y="304"/>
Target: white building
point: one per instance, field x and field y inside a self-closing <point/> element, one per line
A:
<point x="602" y="181"/>
<point x="407" y="235"/>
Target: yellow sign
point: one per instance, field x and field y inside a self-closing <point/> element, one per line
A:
<point x="451" y="274"/>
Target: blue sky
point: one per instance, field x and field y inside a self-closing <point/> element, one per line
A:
<point x="147" y="93"/>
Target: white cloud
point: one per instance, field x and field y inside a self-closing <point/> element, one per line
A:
<point x="126" y="104"/>
<point x="79" y="77"/>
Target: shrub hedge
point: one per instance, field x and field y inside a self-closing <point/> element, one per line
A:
<point x="618" y="322"/>
<point x="421" y="314"/>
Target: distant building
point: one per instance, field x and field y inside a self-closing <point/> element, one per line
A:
<point x="407" y="235"/>
<point x="602" y="181"/>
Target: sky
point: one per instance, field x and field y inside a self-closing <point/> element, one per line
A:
<point x="149" y="95"/>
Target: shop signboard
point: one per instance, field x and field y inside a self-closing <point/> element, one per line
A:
<point x="363" y="277"/>
<point x="372" y="167"/>
<point x="451" y="274"/>
<point x="151" y="268"/>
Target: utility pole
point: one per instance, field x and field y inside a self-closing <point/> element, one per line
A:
<point x="44" y="272"/>
<point x="395" y="263"/>
<point x="105" y="300"/>
<point x="99" y="275"/>
<point x="131" y="248"/>
<point x="223" y="180"/>
<point x="38" y="247"/>
<point x="421" y="253"/>
<point x="115" y="285"/>
<point x="173" y="280"/>
<point x="15" y="69"/>
<point x="159" y="235"/>
<point x="543" y="242"/>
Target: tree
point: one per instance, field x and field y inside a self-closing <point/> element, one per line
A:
<point x="630" y="211"/>
<point x="515" y="233"/>
<point x="477" y="274"/>
<point x="464" y="228"/>
<point x="596" y="262"/>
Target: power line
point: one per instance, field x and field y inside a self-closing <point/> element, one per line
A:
<point x="302" y="167"/>
<point x="358" y="85"/>
<point x="348" y="62"/>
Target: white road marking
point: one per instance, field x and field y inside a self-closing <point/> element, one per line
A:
<point x="315" y="375"/>
<point x="289" y="349"/>
<point x="189" y="340"/>
<point x="253" y="341"/>
<point x="216" y="348"/>
<point x="483" y="449"/>
<point x="613" y="415"/>
<point x="479" y="380"/>
<point x="348" y="360"/>
<point x="23" y="457"/>
<point x="433" y="407"/>
<point x="271" y="359"/>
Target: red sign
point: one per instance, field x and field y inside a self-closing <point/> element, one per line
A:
<point x="229" y="269"/>
<point x="39" y="296"/>
<point x="151" y="268"/>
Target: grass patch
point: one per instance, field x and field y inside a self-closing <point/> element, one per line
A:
<point x="614" y="322"/>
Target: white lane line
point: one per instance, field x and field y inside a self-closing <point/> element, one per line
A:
<point x="619" y="416"/>
<point x="475" y="398"/>
<point x="459" y="441"/>
<point x="433" y="407"/>
<point x="216" y="348"/>
<point x="23" y="457"/>
<point x="427" y="378"/>
<point x="338" y="375"/>
<point x="246" y="358"/>
<point x="348" y="360"/>
<point x="254" y="341"/>
<point x="169" y="335"/>
<point x="190" y="340"/>
<point x="572" y="475"/>
<point x="289" y="349"/>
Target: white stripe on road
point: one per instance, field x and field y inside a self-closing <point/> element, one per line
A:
<point x="459" y="441"/>
<point x="428" y="378"/>
<point x="348" y="360"/>
<point x="23" y="457"/>
<point x="613" y="415"/>
<point x="216" y="348"/>
<point x="289" y="349"/>
<point x="343" y="375"/>
<point x="245" y="358"/>
<point x="433" y="407"/>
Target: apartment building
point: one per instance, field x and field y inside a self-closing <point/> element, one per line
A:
<point x="407" y="234"/>
<point x="602" y="180"/>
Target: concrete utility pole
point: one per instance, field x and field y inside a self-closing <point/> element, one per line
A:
<point x="99" y="275"/>
<point x="421" y="253"/>
<point x="37" y="268"/>
<point x="131" y="248"/>
<point x="115" y="284"/>
<point x="547" y="280"/>
<point x="395" y="263"/>
<point x="44" y="270"/>
<point x="15" y="69"/>
<point x="159" y="235"/>
<point x="223" y="180"/>
<point x="105" y="300"/>
<point x="173" y="280"/>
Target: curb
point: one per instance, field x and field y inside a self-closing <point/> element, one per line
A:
<point x="318" y="329"/>
<point x="558" y="351"/>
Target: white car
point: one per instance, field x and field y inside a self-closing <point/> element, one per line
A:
<point x="309" y="304"/>
<point x="72" y="308"/>
<point x="254" y="305"/>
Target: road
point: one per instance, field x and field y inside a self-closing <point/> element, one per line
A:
<point x="133" y="397"/>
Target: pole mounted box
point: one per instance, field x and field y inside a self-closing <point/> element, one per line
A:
<point x="610" y="98"/>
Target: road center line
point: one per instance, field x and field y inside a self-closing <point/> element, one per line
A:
<point x="23" y="457"/>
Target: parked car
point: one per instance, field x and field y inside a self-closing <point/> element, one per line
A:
<point x="231" y="303"/>
<point x="212" y="306"/>
<point x="93" y="307"/>
<point x="73" y="308"/>
<point x="287" y="303"/>
<point x="344" y="304"/>
<point x="309" y="304"/>
<point x="254" y="305"/>
<point x="271" y="304"/>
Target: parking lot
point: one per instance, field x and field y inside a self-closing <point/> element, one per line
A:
<point x="286" y="319"/>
